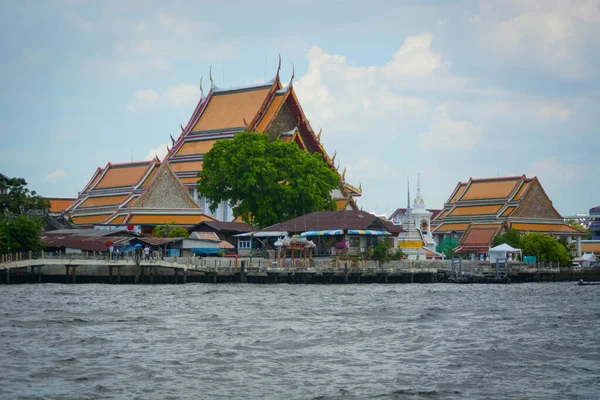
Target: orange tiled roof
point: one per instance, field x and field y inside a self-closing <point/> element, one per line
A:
<point x="178" y="219"/>
<point x="102" y="201"/>
<point x="342" y="204"/>
<point x="521" y="191"/>
<point x="150" y="176"/>
<point x="490" y="189"/>
<point x="590" y="248"/>
<point x="60" y="205"/>
<point x="478" y="236"/>
<point x="459" y="192"/>
<point x="90" y="219"/>
<point x="121" y="176"/>
<point x="228" y="110"/>
<point x="119" y="220"/>
<point x="508" y="211"/>
<point x="186" y="166"/>
<point x="197" y="147"/>
<point x="189" y="181"/>
<point x="273" y="107"/>
<point x="475" y="210"/>
<point x="550" y="228"/>
<point x="451" y="227"/>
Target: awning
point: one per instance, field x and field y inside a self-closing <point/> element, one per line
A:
<point x="334" y="232"/>
<point x="367" y="232"/>
<point x="205" y="251"/>
<point x="263" y="234"/>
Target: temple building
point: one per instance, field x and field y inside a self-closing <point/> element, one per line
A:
<point x="138" y="195"/>
<point x="270" y="109"/>
<point x="142" y="195"/>
<point x="480" y="209"/>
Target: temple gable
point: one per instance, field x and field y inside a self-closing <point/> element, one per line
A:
<point x="536" y="204"/>
<point x="284" y="122"/>
<point x="165" y="191"/>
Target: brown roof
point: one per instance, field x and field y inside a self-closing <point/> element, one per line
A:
<point x="222" y="226"/>
<point x="85" y="243"/>
<point x="331" y="220"/>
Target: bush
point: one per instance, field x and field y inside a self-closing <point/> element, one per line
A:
<point x="381" y="252"/>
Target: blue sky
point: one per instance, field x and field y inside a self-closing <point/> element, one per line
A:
<point x="450" y="90"/>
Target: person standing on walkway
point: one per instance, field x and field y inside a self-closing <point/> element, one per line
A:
<point x="147" y="252"/>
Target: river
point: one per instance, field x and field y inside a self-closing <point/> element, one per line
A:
<point x="201" y="341"/>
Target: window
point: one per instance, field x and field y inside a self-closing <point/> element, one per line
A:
<point x="354" y="241"/>
<point x="243" y="244"/>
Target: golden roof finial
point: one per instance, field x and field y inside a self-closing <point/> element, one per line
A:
<point x="168" y="150"/>
<point x="245" y="123"/>
<point x="172" y="140"/>
<point x="360" y="187"/>
<point x="319" y="134"/>
<point x="210" y="75"/>
<point x="344" y="175"/>
<point x="333" y="158"/>
<point x="201" y="90"/>
<point x="293" y="74"/>
<point x="182" y="129"/>
<point x="278" y="67"/>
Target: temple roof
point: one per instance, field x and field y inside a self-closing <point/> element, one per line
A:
<point x="58" y="205"/>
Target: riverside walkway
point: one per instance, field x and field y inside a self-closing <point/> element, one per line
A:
<point x="95" y="268"/>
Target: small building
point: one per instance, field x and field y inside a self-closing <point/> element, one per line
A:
<point x="224" y="230"/>
<point x="480" y="209"/>
<point x="3" y="184"/>
<point x="591" y="246"/>
<point x="357" y="230"/>
<point x="595" y="225"/>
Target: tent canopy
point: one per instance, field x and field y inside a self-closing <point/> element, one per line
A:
<point x="505" y="247"/>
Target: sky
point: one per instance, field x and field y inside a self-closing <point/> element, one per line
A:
<point x="447" y="90"/>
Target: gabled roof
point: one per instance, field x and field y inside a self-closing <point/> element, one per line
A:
<point x="59" y="204"/>
<point x="222" y="226"/>
<point x="478" y="235"/>
<point x="332" y="220"/>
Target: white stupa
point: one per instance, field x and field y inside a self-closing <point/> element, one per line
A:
<point x="417" y="228"/>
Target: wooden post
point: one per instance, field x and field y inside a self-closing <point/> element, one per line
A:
<point x="74" y="273"/>
<point x="137" y="274"/>
<point x="30" y="257"/>
<point x="31" y="273"/>
<point x="110" y="273"/>
<point x="151" y="275"/>
<point x="184" y="276"/>
<point x="176" y="275"/>
<point x="346" y="272"/>
<point x="243" y="272"/>
<point x="8" y="276"/>
<point x="66" y="274"/>
<point x="118" y="274"/>
<point x="40" y="274"/>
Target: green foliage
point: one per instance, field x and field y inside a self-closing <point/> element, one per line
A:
<point x="512" y="237"/>
<point x="397" y="255"/>
<point x="581" y="228"/>
<point x="546" y="248"/>
<point x="266" y="182"/>
<point x="19" y="199"/>
<point x="170" y="231"/>
<point x="24" y="234"/>
<point x="381" y="252"/>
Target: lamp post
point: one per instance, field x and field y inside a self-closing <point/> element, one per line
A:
<point x="9" y="217"/>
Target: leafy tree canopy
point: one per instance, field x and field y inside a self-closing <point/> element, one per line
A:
<point x="170" y="231"/>
<point x="546" y="248"/>
<point x="266" y="182"/>
<point x="580" y="227"/>
<point x="19" y="199"/>
<point x="24" y="234"/>
<point x="512" y="237"/>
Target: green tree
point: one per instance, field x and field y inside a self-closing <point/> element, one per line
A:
<point x="546" y="248"/>
<point x="24" y="234"/>
<point x="17" y="229"/>
<point x="581" y="228"/>
<point x="266" y="182"/>
<point x="381" y="252"/>
<point x="19" y="199"/>
<point x="512" y="237"/>
<point x="170" y="231"/>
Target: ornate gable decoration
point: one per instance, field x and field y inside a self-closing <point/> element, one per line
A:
<point x="165" y="191"/>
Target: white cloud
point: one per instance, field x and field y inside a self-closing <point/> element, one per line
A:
<point x="160" y="152"/>
<point x="182" y="96"/>
<point x="143" y="100"/>
<point x="79" y="22"/>
<point x="56" y="175"/>
<point x="550" y="169"/>
<point x="414" y="59"/>
<point x="447" y="134"/>
<point x="551" y="32"/>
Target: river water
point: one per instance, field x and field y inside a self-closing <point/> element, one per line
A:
<point x="197" y="341"/>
